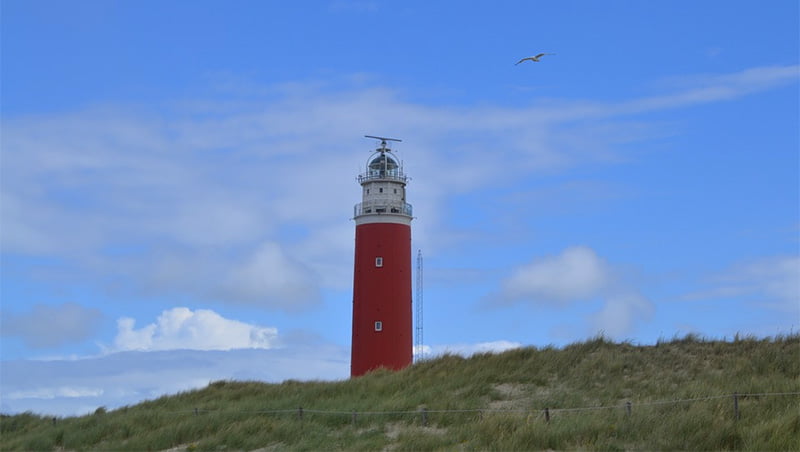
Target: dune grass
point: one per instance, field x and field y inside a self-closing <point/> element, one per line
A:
<point x="681" y="395"/>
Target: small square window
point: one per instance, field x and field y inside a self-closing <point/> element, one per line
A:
<point x="380" y="190"/>
<point x="379" y="262"/>
<point x="378" y="326"/>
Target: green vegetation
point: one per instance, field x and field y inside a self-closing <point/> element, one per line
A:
<point x="681" y="395"/>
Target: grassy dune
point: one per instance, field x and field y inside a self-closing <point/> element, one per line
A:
<point x="680" y="394"/>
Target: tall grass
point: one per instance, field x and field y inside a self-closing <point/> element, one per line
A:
<point x="680" y="393"/>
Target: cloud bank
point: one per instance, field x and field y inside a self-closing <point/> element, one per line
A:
<point x="37" y="329"/>
<point x="182" y="349"/>
<point x="74" y="387"/>
<point x="202" y="199"/>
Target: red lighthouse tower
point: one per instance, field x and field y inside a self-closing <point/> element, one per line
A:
<point x="382" y="272"/>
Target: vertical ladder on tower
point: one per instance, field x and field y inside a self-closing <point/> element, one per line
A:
<point x="418" y="342"/>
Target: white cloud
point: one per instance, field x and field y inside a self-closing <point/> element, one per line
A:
<point x="776" y="280"/>
<point x="772" y="282"/>
<point x="620" y="314"/>
<point x="705" y="89"/>
<point x="38" y="330"/>
<point x="687" y="91"/>
<point x="577" y="275"/>
<point x="181" y="328"/>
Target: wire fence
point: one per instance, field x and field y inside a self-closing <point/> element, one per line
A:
<point x="424" y="413"/>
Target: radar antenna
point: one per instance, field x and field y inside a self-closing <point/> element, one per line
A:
<point x="383" y="141"/>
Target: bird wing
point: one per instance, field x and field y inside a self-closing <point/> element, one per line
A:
<point x="520" y="61"/>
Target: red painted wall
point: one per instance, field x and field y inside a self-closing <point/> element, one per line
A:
<point x="382" y="294"/>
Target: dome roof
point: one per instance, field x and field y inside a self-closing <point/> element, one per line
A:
<point x="383" y="162"/>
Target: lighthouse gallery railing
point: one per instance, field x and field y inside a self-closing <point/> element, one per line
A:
<point x="396" y="208"/>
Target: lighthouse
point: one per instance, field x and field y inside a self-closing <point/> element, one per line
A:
<point x="382" y="329"/>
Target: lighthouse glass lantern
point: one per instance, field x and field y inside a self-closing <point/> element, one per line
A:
<point x="382" y="320"/>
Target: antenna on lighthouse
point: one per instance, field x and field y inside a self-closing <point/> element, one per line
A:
<point x="419" y="355"/>
<point x="383" y="142"/>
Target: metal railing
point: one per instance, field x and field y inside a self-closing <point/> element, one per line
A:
<point x="382" y="208"/>
<point x="395" y="175"/>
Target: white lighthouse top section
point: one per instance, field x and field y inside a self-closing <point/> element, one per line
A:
<point x="383" y="189"/>
<point x="382" y="164"/>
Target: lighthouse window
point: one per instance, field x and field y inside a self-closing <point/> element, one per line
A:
<point x="378" y="326"/>
<point x="379" y="262"/>
<point x="395" y="191"/>
<point x="380" y="190"/>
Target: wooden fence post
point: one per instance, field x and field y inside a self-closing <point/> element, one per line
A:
<point x="300" y="413"/>
<point x="547" y="415"/>
<point x="354" y="417"/>
<point x="628" y="408"/>
<point x="195" y="412"/>
<point x="424" y="413"/>
<point x="736" y="405"/>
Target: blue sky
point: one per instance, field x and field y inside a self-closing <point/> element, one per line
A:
<point x="178" y="181"/>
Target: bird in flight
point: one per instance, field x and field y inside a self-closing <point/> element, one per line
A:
<point x="534" y="58"/>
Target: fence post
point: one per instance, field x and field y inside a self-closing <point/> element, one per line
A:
<point x="195" y="411"/>
<point x="736" y="405"/>
<point x="628" y="408"/>
<point x="300" y="413"/>
<point x="424" y="413"/>
<point x="354" y="417"/>
<point x="547" y="415"/>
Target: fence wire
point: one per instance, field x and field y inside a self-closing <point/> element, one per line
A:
<point x="627" y="405"/>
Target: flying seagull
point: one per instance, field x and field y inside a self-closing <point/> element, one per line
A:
<point x="534" y="58"/>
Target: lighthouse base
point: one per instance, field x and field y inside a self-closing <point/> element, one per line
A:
<point x="382" y="320"/>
